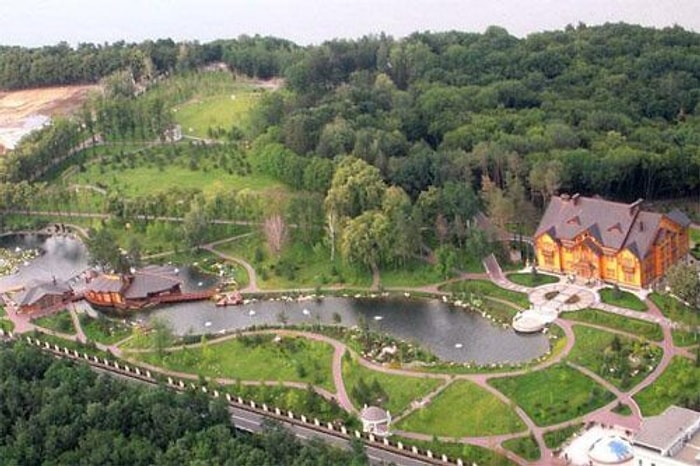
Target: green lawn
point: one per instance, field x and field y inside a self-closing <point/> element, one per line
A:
<point x="622" y="298"/>
<point x="142" y="180"/>
<point x="253" y="358"/>
<point x="7" y="325"/>
<point x="60" y="322"/>
<point x="218" y="111"/>
<point x="463" y="409"/>
<point x="487" y="288"/>
<point x="694" y="235"/>
<point x="296" y="400"/>
<point x="413" y="273"/>
<point x="525" y="447"/>
<point x="2" y="311"/>
<point x="556" y="438"/>
<point x="611" y="356"/>
<point x="680" y="380"/>
<point x="468" y="453"/>
<point x="104" y="330"/>
<point x="675" y="310"/>
<point x="638" y="327"/>
<point x="556" y="394"/>
<point x="622" y="409"/>
<point x="401" y="390"/>
<point x="298" y="266"/>
<point x="528" y="279"/>
<point x="685" y="338"/>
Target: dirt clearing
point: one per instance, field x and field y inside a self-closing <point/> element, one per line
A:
<point x="23" y="111"/>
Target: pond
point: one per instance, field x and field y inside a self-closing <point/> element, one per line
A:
<point x="451" y="333"/>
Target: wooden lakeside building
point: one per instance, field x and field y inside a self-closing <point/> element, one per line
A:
<point x="618" y="243"/>
<point x="145" y="287"/>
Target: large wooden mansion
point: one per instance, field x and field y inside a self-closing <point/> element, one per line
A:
<point x="618" y="243"/>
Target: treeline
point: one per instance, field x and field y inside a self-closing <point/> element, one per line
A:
<point x="61" y="64"/>
<point x="609" y="110"/>
<point x="53" y="411"/>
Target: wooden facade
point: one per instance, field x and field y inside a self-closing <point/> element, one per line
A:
<point x="618" y="243"/>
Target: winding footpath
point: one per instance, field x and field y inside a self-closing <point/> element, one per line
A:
<point x="603" y="415"/>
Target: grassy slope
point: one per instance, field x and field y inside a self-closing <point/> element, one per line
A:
<point x="680" y="379"/>
<point x="542" y="396"/>
<point x="622" y="299"/>
<point x="591" y="343"/>
<point x="401" y="390"/>
<point x="482" y="414"/>
<point x="267" y="361"/>
<point x="487" y="288"/>
<point x="527" y="279"/>
<point x="639" y="327"/>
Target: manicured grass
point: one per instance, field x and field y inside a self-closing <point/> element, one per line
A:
<point x="555" y="394"/>
<point x="414" y="273"/>
<point x="622" y="298"/>
<point x="7" y="325"/>
<point x="2" y="312"/>
<point x="499" y="310"/>
<point x="252" y="358"/>
<point x="525" y="447"/>
<point x="675" y="310"/>
<point x="297" y="400"/>
<point x="622" y="409"/>
<point x="638" y="327"/>
<point x="684" y="338"/>
<point x="481" y="414"/>
<point x="528" y="279"/>
<point x="104" y="330"/>
<point x="694" y="235"/>
<point x="298" y="266"/>
<point x="218" y="111"/>
<point x="680" y="380"/>
<point x="60" y="322"/>
<point x="468" y="453"/>
<point x="142" y="180"/>
<point x="401" y="390"/>
<point x="610" y="356"/>
<point x="556" y="438"/>
<point x="487" y="288"/>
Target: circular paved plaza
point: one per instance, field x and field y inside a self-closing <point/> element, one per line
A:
<point x="562" y="297"/>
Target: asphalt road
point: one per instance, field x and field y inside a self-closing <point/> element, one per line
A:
<point x="251" y="422"/>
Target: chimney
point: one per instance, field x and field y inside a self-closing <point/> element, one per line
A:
<point x="575" y="198"/>
<point x="635" y="206"/>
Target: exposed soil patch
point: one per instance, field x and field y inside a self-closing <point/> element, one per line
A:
<point x="19" y="110"/>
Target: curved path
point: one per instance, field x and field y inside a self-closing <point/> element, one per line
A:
<point x="603" y="414"/>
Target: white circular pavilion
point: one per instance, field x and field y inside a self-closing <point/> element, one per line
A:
<point x="375" y="421"/>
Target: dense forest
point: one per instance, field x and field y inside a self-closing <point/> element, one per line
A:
<point x="397" y="136"/>
<point x="56" y="412"/>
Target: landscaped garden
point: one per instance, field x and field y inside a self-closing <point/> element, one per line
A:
<point x="469" y="453"/>
<point x="680" y="381"/>
<point x="463" y="409"/>
<point x="622" y="298"/>
<point x="393" y="392"/>
<point x="675" y="309"/>
<point x="59" y="322"/>
<point x="622" y="361"/>
<point x="486" y="288"/>
<point x="255" y="357"/>
<point x="532" y="279"/>
<point x="637" y="327"/>
<point x="555" y="394"/>
<point x="103" y="329"/>
<point x="525" y="447"/>
<point x="556" y="438"/>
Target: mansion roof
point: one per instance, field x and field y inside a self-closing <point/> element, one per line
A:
<point x="613" y="225"/>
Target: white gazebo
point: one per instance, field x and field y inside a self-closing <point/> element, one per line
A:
<point x="375" y="421"/>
